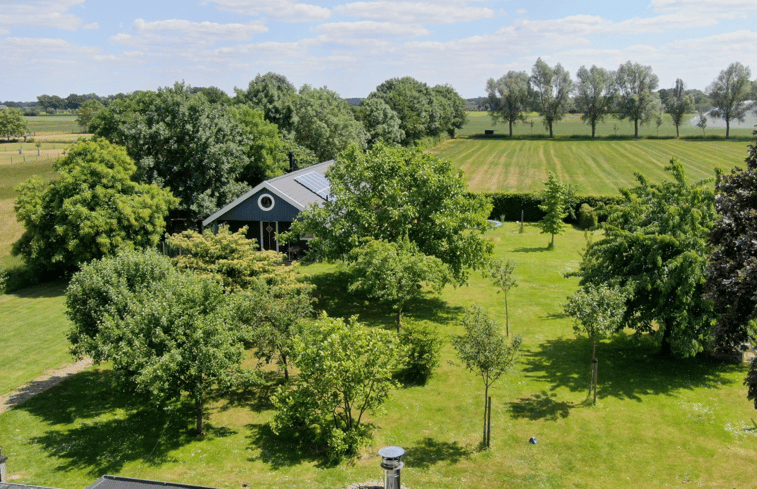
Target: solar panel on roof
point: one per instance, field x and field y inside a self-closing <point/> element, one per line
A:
<point x="316" y="183"/>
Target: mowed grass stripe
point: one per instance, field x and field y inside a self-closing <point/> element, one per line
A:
<point x="596" y="167"/>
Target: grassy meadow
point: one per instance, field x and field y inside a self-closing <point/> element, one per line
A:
<point x="658" y="422"/>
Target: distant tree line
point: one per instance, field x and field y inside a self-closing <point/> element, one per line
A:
<point x="630" y="92"/>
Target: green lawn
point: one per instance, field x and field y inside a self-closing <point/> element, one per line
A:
<point x="33" y="334"/>
<point x="657" y="423"/>
<point x="597" y="167"/>
<point x="52" y="124"/>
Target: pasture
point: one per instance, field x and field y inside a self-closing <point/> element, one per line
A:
<point x="657" y="423"/>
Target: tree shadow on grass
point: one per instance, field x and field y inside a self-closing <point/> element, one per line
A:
<point x="431" y="452"/>
<point x="256" y="397"/>
<point x="540" y="406"/>
<point x="532" y="250"/>
<point x="629" y="368"/>
<point x="98" y="428"/>
<point x="332" y="296"/>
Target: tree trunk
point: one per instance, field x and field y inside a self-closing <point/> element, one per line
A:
<point x="486" y="412"/>
<point x="399" y="320"/>
<point x="550" y="130"/>
<point x="552" y="243"/>
<point x="198" y="410"/>
<point x="666" y="349"/>
<point x="286" y="367"/>
<point x="677" y="135"/>
<point x="511" y="128"/>
<point x="727" y="128"/>
<point x="507" y="318"/>
<point x="636" y="128"/>
<point x="593" y="127"/>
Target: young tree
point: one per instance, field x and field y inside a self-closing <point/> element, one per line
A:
<point x="390" y="193"/>
<point x="552" y="87"/>
<point x="557" y="199"/>
<point x="501" y="274"/>
<point x="395" y="272"/>
<point x="638" y="101"/>
<point x="655" y="248"/>
<point x="486" y="352"/>
<point x="678" y="104"/>
<point x="90" y="211"/>
<point x="344" y="372"/>
<point x="728" y="93"/>
<point x="732" y="265"/>
<point x="702" y="123"/>
<point x="12" y="123"/>
<point x="594" y="95"/>
<point x="508" y="98"/>
<point x="596" y="312"/>
<point x="87" y="111"/>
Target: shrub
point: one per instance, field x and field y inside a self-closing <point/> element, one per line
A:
<point x="422" y="345"/>
<point x="587" y="219"/>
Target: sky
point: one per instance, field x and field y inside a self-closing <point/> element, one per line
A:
<point x="58" y="47"/>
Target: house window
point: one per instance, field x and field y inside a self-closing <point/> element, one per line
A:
<point x="266" y="202"/>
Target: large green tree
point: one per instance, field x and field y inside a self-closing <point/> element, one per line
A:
<point x="12" y="123"/>
<point x="87" y="111"/>
<point x="345" y="371"/>
<point x="390" y="193"/>
<point x="265" y="148"/>
<point x="395" y="272"/>
<point x="91" y="210"/>
<point x="678" y="104"/>
<point x="552" y="87"/>
<point x="325" y="123"/>
<point x="728" y="93"/>
<point x="413" y="102"/>
<point x="380" y="122"/>
<point x="450" y="107"/>
<point x="635" y="85"/>
<point x="655" y="248"/>
<point x="508" y="98"/>
<point x="732" y="267"/>
<point x="275" y="95"/>
<point x="593" y="95"/>
<point x="180" y="141"/>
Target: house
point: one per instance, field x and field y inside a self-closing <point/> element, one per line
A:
<point x="270" y="208"/>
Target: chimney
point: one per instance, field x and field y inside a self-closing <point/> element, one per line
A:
<point x="291" y="161"/>
<point x="392" y="465"/>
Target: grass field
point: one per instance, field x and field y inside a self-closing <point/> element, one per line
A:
<point x="658" y="423"/>
<point x="596" y="167"/>
<point x="45" y="125"/>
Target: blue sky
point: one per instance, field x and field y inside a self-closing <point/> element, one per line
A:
<point x="58" y="47"/>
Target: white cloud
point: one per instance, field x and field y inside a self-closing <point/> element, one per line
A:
<point x="281" y="9"/>
<point x="177" y="33"/>
<point x="39" y="14"/>
<point x="372" y="29"/>
<point x="91" y="27"/>
<point x="415" y="12"/>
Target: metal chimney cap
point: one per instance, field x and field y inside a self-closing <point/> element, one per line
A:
<point x="392" y="452"/>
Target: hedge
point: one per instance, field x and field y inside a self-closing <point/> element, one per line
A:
<point x="510" y="205"/>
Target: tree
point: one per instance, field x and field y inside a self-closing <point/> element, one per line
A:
<point x="325" y="123"/>
<point x="594" y="95"/>
<point x="344" y="372"/>
<point x="180" y="141"/>
<point x="702" y="122"/>
<point x="164" y="332"/>
<point x="414" y="104"/>
<point x="87" y="111"/>
<point x="637" y="101"/>
<point x="655" y="248"/>
<point x="552" y="87"/>
<point x="450" y="108"/>
<point x="390" y="193"/>
<point x="266" y="150"/>
<point x="395" y="272"/>
<point x="728" y="93"/>
<point x="508" y="98"/>
<point x="557" y="199"/>
<point x="230" y="258"/>
<point x="679" y="104"/>
<point x="596" y="312"/>
<point x="732" y="265"/>
<point x="486" y="352"/>
<point x="501" y="274"/>
<point x="275" y="95"/>
<point x="380" y="122"/>
<point x="12" y="123"/>
<point x="93" y="209"/>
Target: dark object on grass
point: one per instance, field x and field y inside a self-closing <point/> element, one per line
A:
<point x="533" y="440"/>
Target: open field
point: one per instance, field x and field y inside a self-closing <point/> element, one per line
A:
<point x="658" y="422"/>
<point x="42" y="125"/>
<point x="596" y="167"/>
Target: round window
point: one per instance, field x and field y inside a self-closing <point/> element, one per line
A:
<point x="265" y="202"/>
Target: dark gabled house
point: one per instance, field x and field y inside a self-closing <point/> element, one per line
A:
<point x="271" y="207"/>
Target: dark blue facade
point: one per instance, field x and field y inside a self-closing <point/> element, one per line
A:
<point x="251" y="210"/>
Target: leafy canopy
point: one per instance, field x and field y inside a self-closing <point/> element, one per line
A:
<point x="390" y="193"/>
<point x="655" y="248"/>
<point x="12" y="123"/>
<point x="90" y="211"/>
